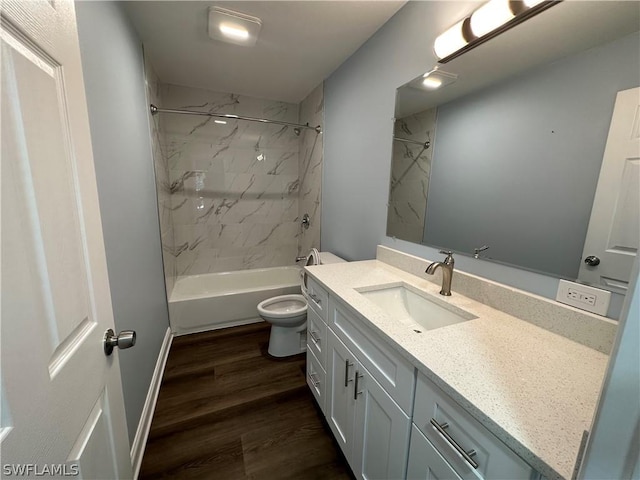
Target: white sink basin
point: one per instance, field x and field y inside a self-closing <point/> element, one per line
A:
<point x="414" y="308"/>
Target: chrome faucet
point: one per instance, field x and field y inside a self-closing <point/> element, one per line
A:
<point x="447" y="272"/>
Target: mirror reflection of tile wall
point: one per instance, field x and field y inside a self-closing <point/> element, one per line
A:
<point x="410" y="173"/>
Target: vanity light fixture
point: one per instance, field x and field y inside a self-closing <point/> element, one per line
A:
<point x="233" y="27"/>
<point x="490" y="16"/>
<point x="221" y="122"/>
<point x="488" y="21"/>
<point x="437" y="78"/>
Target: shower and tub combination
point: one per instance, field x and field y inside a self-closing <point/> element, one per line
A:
<point x="245" y="163"/>
<point x="219" y="300"/>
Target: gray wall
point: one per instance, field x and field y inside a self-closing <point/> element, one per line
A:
<point x="359" y="110"/>
<point x="114" y="82"/>
<point x="516" y="165"/>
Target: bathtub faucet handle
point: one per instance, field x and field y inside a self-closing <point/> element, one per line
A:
<point x="299" y="259"/>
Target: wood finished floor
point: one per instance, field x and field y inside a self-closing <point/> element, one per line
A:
<point x="226" y="410"/>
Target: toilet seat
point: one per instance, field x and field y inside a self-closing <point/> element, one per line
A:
<point x="283" y="306"/>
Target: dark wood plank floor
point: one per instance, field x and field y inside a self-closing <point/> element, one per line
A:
<point x="227" y="410"/>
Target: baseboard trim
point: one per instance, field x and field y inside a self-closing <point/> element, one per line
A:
<point x="144" y="425"/>
<point x="217" y="326"/>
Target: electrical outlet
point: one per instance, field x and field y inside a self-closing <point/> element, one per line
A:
<point x="587" y="298"/>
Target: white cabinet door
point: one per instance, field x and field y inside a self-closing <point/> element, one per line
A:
<point x="381" y="439"/>
<point x="425" y="463"/>
<point x="340" y="403"/>
<point x="62" y="406"/>
<point x="369" y="426"/>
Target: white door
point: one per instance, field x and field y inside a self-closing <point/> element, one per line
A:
<point x="62" y="405"/>
<point x="381" y="436"/>
<point x="340" y="402"/>
<point x="614" y="228"/>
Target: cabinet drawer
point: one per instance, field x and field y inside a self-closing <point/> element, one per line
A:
<point x="316" y="378"/>
<point x="394" y="373"/>
<point x="494" y="459"/>
<point x="317" y="297"/>
<point x="425" y="462"/>
<point x="317" y="337"/>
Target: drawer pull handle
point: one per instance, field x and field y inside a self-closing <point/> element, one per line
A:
<point x="314" y="379"/>
<point x="315" y="298"/>
<point x="441" y="429"/>
<point x="347" y="364"/>
<point x="355" y="386"/>
<point x="314" y="336"/>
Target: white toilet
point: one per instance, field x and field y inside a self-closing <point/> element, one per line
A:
<point x="287" y="314"/>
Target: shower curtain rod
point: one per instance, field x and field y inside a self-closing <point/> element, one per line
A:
<point x="425" y="145"/>
<point x="297" y="126"/>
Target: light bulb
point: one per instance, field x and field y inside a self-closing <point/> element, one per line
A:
<point x="234" y="31"/>
<point x="431" y="82"/>
<point x="450" y="41"/>
<point x="490" y="16"/>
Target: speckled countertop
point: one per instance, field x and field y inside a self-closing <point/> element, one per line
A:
<point x="535" y="390"/>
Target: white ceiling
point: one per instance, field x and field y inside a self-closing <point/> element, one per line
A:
<point x="301" y="43"/>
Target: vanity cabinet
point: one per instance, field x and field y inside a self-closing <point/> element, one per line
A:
<point x="317" y="301"/>
<point x="370" y="427"/>
<point x="388" y="423"/>
<point x="470" y="450"/>
<point x="425" y="462"/>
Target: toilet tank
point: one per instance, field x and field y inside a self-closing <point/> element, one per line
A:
<point x="328" y="257"/>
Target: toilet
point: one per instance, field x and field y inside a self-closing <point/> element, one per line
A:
<point x="287" y="314"/>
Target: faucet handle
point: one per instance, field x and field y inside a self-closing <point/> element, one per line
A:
<point x="449" y="260"/>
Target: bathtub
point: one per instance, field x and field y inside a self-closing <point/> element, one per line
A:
<point x="218" y="300"/>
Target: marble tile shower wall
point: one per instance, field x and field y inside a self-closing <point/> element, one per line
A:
<point x="161" y="167"/>
<point x="234" y="186"/>
<point x="410" y="172"/>
<point x="310" y="169"/>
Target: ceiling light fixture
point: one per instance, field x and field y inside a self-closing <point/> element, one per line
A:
<point x="488" y="21"/>
<point x="233" y="27"/>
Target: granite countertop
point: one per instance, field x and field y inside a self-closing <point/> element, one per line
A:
<point x="535" y="390"/>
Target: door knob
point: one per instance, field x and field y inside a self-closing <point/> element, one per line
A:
<point x="125" y="339"/>
<point x="592" y="261"/>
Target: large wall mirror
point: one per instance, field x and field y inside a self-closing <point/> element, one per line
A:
<point x="509" y="155"/>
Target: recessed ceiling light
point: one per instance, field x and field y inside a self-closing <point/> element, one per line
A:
<point x="438" y="78"/>
<point x="233" y="27"/>
<point x="234" y="31"/>
<point x="432" y="82"/>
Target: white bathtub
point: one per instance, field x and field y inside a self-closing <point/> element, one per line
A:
<point x="218" y="300"/>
